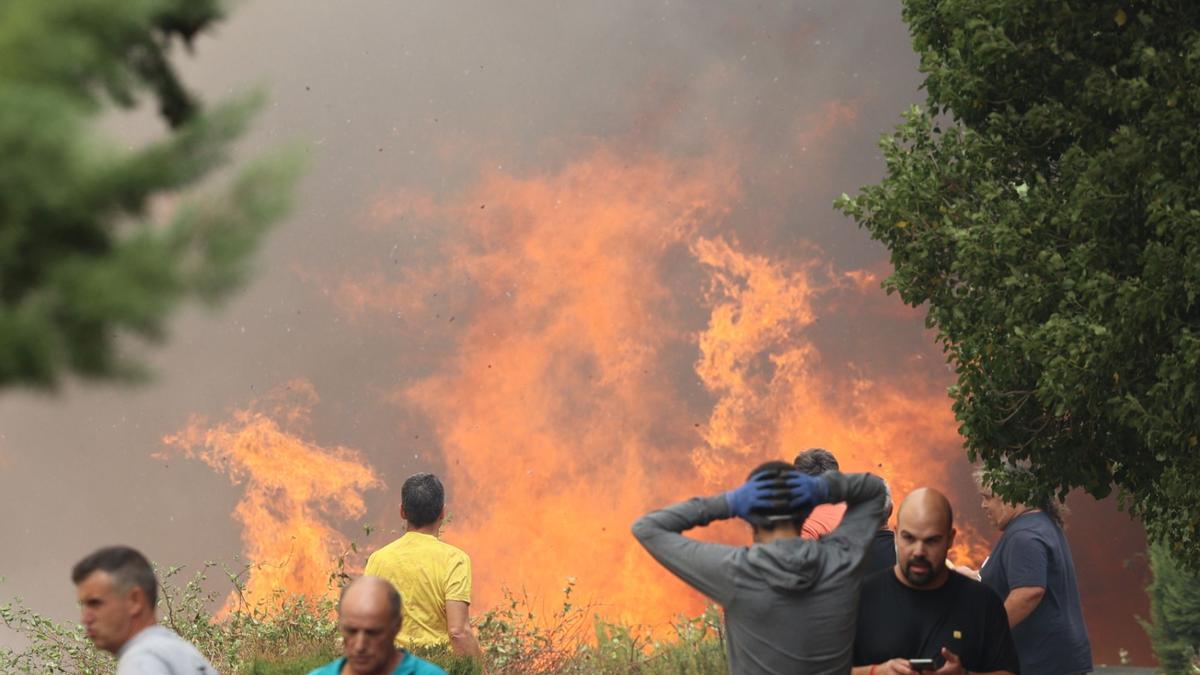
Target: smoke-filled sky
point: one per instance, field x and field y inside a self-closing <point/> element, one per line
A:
<point x="579" y="258"/>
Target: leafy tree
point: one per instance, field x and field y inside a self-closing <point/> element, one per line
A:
<point x="1175" y="610"/>
<point x="1043" y="205"/>
<point x="87" y="258"/>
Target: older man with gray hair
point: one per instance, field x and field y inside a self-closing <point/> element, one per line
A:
<point x="369" y="618"/>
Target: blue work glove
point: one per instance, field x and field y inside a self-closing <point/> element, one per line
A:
<point x="760" y="492"/>
<point x="805" y="491"/>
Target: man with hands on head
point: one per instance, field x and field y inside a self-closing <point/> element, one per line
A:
<point x="919" y="617"/>
<point x="789" y="602"/>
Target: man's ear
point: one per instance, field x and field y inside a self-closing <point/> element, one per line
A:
<point x="950" y="541"/>
<point x="136" y="597"/>
<point x="403" y="513"/>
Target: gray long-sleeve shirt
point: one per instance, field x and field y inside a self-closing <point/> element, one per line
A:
<point x="790" y="605"/>
<point x="157" y="650"/>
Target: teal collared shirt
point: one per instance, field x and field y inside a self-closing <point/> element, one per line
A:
<point x="409" y="665"/>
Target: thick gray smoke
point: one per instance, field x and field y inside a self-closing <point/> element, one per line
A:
<point x="418" y="98"/>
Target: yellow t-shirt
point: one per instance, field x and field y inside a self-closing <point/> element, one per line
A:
<point x="427" y="572"/>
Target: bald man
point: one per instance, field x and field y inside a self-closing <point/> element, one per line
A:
<point x="918" y="617"/>
<point x="369" y="617"/>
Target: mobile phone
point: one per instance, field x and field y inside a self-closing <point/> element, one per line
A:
<point x="922" y="664"/>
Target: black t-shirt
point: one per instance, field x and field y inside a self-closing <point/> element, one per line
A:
<point x="881" y="554"/>
<point x="963" y="615"/>
<point x="1033" y="551"/>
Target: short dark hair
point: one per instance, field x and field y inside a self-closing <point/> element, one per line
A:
<point x="127" y="567"/>
<point x="816" y="461"/>
<point x="769" y="520"/>
<point x="423" y="498"/>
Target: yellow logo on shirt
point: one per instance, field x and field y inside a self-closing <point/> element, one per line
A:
<point x="958" y="635"/>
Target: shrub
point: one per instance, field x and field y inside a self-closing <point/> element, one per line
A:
<point x="1175" y="610"/>
<point x="293" y="634"/>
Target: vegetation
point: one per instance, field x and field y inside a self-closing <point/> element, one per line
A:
<point x="1042" y="206"/>
<point x="1175" y="613"/>
<point x="295" y="635"/>
<point x="97" y="244"/>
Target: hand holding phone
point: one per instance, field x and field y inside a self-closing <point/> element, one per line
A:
<point x="922" y="665"/>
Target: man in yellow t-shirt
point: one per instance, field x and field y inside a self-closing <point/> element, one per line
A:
<point x="433" y="577"/>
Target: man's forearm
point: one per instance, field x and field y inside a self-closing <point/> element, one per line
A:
<point x="700" y="564"/>
<point x="853" y="488"/>
<point x="458" y="624"/>
<point x="464" y="642"/>
<point x="1021" y="602"/>
<point x="864" y="495"/>
<point x="683" y="516"/>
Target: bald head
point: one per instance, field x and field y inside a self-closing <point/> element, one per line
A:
<point x="371" y="595"/>
<point x="924" y="534"/>
<point x="369" y="620"/>
<point x="926" y="504"/>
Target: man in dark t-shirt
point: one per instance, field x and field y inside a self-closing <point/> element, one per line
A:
<point x="1031" y="568"/>
<point x="962" y="616"/>
<point x="920" y="610"/>
<point x="881" y="554"/>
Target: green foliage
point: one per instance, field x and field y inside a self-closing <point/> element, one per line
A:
<point x="53" y="647"/>
<point x="514" y="639"/>
<point x="295" y="635"/>
<point x="96" y="243"/>
<point x="453" y="664"/>
<point x="1175" y="610"/>
<point x="272" y="638"/>
<point x="517" y="640"/>
<point x="1043" y="207"/>
<point x="295" y="666"/>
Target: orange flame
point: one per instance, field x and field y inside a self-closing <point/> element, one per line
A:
<point x="552" y="416"/>
<point x="618" y="347"/>
<point x="776" y="398"/>
<point x="292" y="488"/>
<point x="587" y="385"/>
<point x="618" y="350"/>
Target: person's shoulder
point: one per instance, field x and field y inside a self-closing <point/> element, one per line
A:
<point x="158" y="645"/>
<point x="431" y="548"/>
<point x="398" y="542"/>
<point x="451" y="551"/>
<point x="387" y="549"/>
<point x="334" y="667"/>
<point x="1034" y="521"/>
<point x="974" y="590"/>
<point x="1031" y="527"/>
<point x="158" y="639"/>
<point x="880" y="580"/>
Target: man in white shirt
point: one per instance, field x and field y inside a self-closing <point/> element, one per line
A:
<point x="117" y="593"/>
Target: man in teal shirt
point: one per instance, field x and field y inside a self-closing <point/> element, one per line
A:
<point x="369" y="617"/>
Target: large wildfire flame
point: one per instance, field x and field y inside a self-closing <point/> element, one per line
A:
<point x="617" y="348"/>
<point x="620" y="351"/>
<point x="293" y="487"/>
